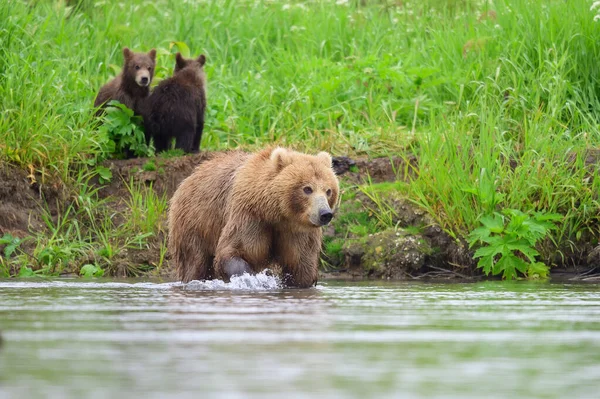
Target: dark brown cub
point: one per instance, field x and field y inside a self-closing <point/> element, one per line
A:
<point x="175" y="109"/>
<point x="132" y="86"/>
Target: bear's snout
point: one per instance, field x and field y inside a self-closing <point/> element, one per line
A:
<point x="143" y="79"/>
<point x="325" y="216"/>
<point x="321" y="213"/>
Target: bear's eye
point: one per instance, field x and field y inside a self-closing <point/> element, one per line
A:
<point x="307" y="190"/>
<point x="328" y="192"/>
<point x="137" y="67"/>
<point x="149" y="68"/>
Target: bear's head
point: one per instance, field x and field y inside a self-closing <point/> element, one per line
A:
<point x="139" y="66"/>
<point x="190" y="64"/>
<point x="306" y="185"/>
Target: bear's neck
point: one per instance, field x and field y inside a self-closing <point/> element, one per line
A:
<point x="191" y="75"/>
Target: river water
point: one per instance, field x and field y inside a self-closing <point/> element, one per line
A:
<point x="251" y="339"/>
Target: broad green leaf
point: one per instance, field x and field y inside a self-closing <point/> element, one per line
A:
<point x="486" y="263"/>
<point x="494" y="223"/>
<point x="10" y="248"/>
<point x="181" y="47"/>
<point x="487" y="251"/>
<point x="537" y="270"/>
<point x="508" y="265"/>
<point x="479" y="234"/>
<point x="90" y="270"/>
<point x="6" y="239"/>
<point x="520" y="264"/>
<point x="524" y="247"/>
<point x="104" y="173"/>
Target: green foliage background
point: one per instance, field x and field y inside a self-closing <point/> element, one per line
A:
<point x="499" y="100"/>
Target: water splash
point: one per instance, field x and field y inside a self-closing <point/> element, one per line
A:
<point x="264" y="280"/>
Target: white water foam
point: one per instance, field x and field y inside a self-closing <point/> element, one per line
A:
<point x="262" y="281"/>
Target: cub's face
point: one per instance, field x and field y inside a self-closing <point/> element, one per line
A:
<point x="307" y="185"/>
<point x="140" y="66"/>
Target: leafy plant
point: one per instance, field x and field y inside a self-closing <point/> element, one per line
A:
<point x="26" y="271"/>
<point x="104" y="174"/>
<point x="90" y="270"/>
<point x="149" y="166"/>
<point x="172" y="153"/>
<point x="11" y="244"/>
<point x="125" y="132"/>
<point x="509" y="240"/>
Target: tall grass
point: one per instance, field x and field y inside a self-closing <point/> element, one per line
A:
<point x="499" y="100"/>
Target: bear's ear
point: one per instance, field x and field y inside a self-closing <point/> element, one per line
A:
<point x="152" y="54"/>
<point x="202" y="59"/>
<point x="179" y="61"/>
<point x="127" y="53"/>
<point x="325" y="158"/>
<point x="281" y="158"/>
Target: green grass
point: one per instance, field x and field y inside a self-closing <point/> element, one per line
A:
<point x="499" y="111"/>
<point x="95" y="231"/>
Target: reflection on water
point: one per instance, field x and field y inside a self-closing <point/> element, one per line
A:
<point x="77" y="339"/>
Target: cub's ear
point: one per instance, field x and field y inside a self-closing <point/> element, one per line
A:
<point x="325" y="159"/>
<point x="152" y="54"/>
<point x="202" y="59"/>
<point x="281" y="158"/>
<point x="179" y="61"/>
<point x="127" y="53"/>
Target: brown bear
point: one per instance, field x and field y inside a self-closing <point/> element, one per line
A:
<point x="132" y="85"/>
<point x="241" y="212"/>
<point x="175" y="109"/>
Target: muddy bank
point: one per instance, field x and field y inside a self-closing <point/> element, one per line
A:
<point x="407" y="245"/>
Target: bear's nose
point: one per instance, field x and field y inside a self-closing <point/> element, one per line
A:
<point x="144" y="80"/>
<point x="325" y="217"/>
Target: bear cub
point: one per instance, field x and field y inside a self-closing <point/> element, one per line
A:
<point x="132" y="86"/>
<point x="175" y="109"/>
<point x="241" y="212"/>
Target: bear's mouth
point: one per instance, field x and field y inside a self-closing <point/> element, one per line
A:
<point x="143" y="81"/>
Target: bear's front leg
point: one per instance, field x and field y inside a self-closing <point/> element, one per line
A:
<point x="244" y="247"/>
<point x="236" y="267"/>
<point x="298" y="255"/>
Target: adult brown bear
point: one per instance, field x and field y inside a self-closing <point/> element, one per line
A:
<point x="241" y="212"/>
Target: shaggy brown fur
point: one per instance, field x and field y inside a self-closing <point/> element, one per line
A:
<point x="132" y="85"/>
<point x="175" y="109"/>
<point x="241" y="212"/>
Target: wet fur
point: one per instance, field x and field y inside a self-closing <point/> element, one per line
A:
<point x="241" y="207"/>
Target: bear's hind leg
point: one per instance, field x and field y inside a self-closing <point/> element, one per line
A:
<point x="185" y="140"/>
<point x="192" y="260"/>
<point x="198" y="135"/>
<point x="196" y="268"/>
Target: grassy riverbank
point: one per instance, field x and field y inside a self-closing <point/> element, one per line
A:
<point x="499" y="102"/>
